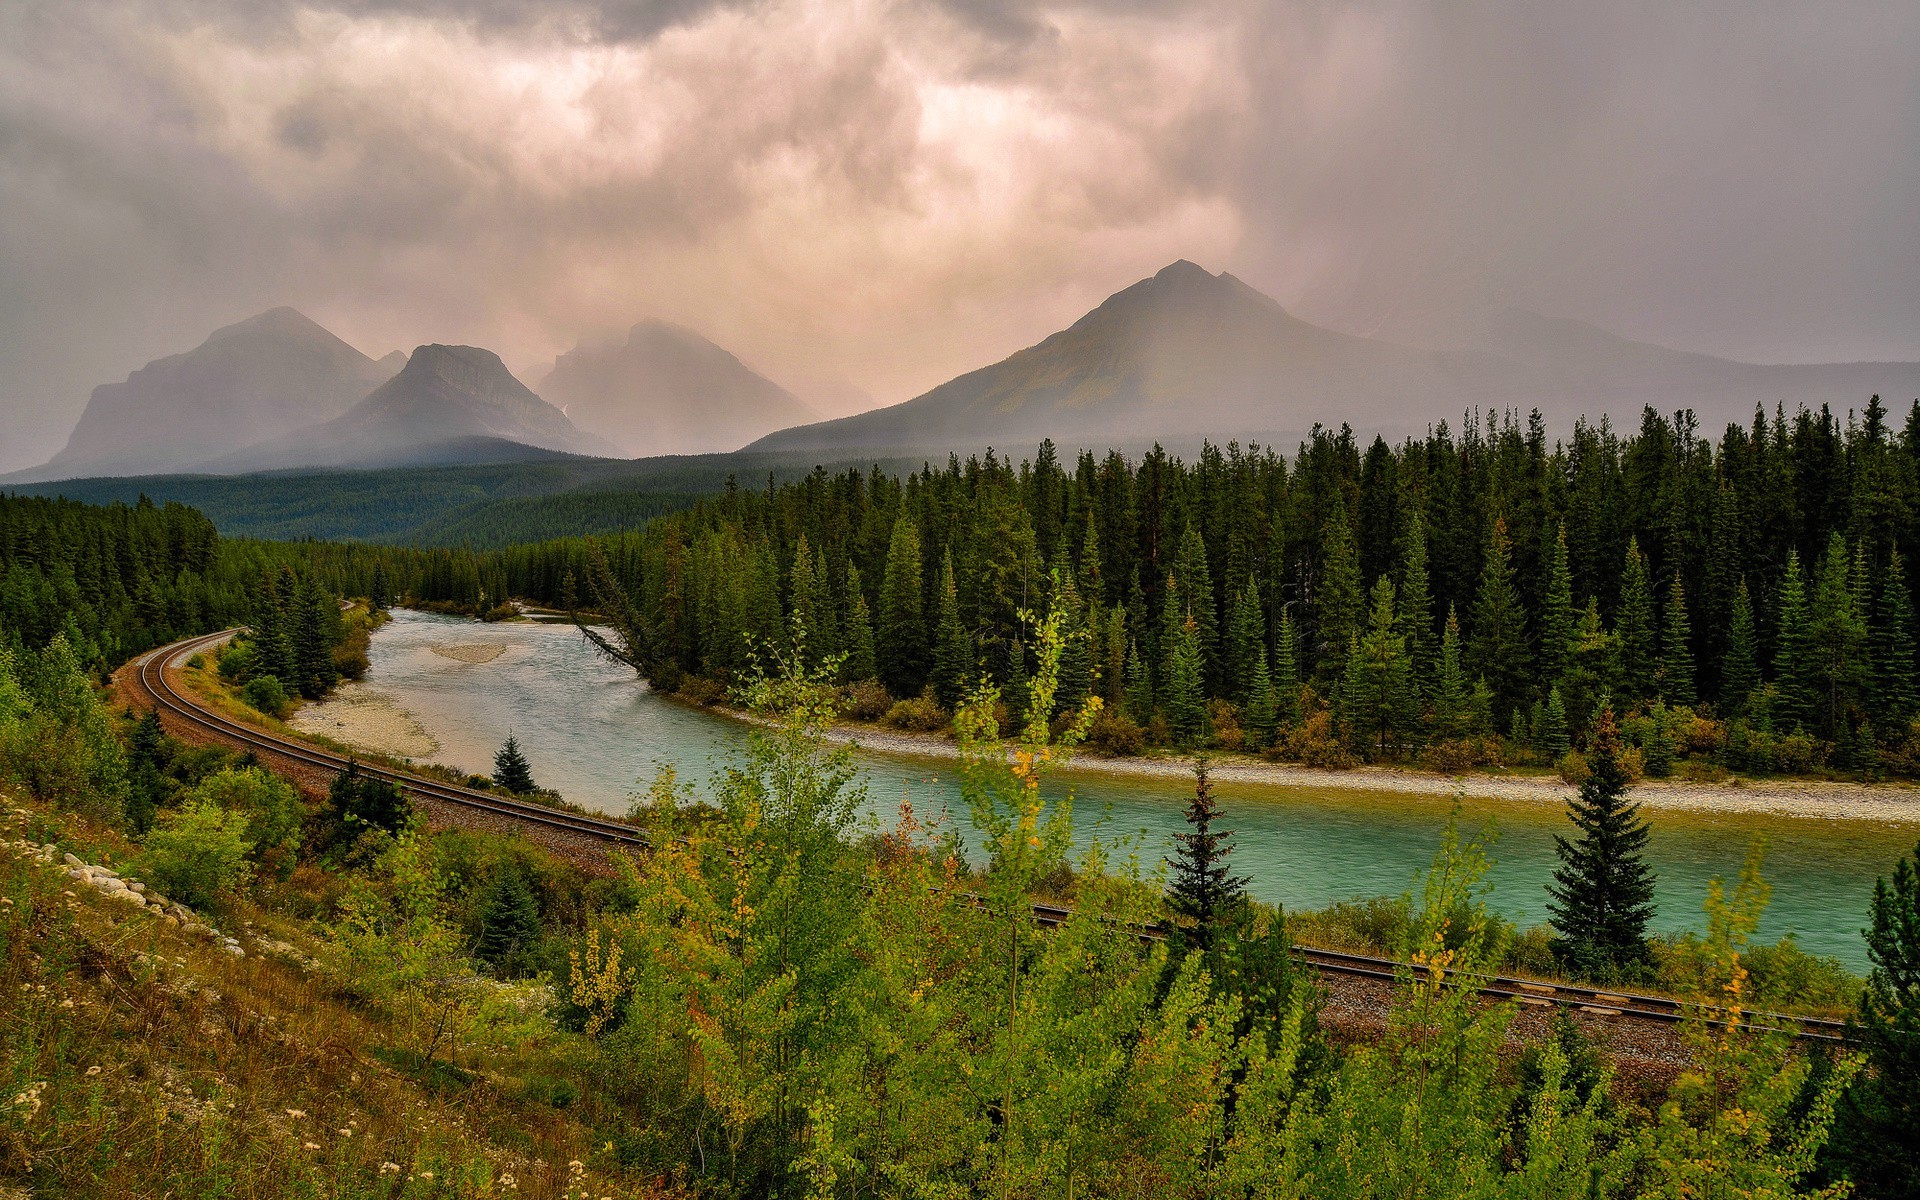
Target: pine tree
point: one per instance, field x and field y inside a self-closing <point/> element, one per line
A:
<point x="1185" y="698"/>
<point x="1638" y="661"/>
<point x="803" y="605"/>
<point x="1076" y="649"/>
<point x="953" y="653"/>
<point x="1381" y="705"/>
<point x="1601" y="898"/>
<point x="1286" y="673"/>
<point x="1557" y="632"/>
<point x="1676" y="659"/>
<point x="900" y="641"/>
<point x="1740" y="670"/>
<point x="1339" y="605"/>
<point x="860" y="664"/>
<point x="1205" y="896"/>
<point x="509" y="919"/>
<point x="1246" y="635"/>
<point x="1263" y="705"/>
<point x="1550" y="731"/>
<point x="1837" y="643"/>
<point x="510" y="769"/>
<point x="1194" y="584"/>
<point x="313" y="615"/>
<point x="1139" y="693"/>
<point x="1451" y="694"/>
<point x="1415" y="605"/>
<point x="1792" y="658"/>
<point x="1873" y="1136"/>
<point x="1896" y="698"/>
<point x="379" y="595"/>
<point x="1499" y="652"/>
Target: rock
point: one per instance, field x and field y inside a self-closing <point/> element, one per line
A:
<point x="134" y="885"/>
<point x="236" y="951"/>
<point x="71" y="861"/>
<point x="129" y="897"/>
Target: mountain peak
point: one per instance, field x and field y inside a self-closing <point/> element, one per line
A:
<point x="1182" y="269"/>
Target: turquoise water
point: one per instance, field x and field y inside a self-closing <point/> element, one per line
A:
<point x="597" y="735"/>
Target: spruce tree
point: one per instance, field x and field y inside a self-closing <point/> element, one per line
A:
<point x="1263" y="705"/>
<point x="900" y="641"/>
<point x="1873" y="1138"/>
<point x="953" y="654"/>
<point x="1415" y="605"/>
<point x="1601" y="898"/>
<point x="1639" y="663"/>
<point x="1204" y="895"/>
<point x="1896" y="698"/>
<point x="378" y="594"/>
<point x="1139" y="693"/>
<point x="860" y="664"/>
<point x="1837" y="643"/>
<point x="1676" y="658"/>
<point x="510" y="769"/>
<point x="1381" y="704"/>
<point x="1286" y="672"/>
<point x="1557" y="616"/>
<point x="1792" y="657"/>
<point x="803" y="605"/>
<point x="1551" y="730"/>
<point x="1339" y="605"/>
<point x="1246" y="635"/>
<point x="509" y="919"/>
<point x="1017" y="693"/>
<point x="1185" y="698"/>
<point x="1499" y="651"/>
<point x="1194" y="582"/>
<point x="1740" y="670"/>
<point x="1076" y="649"/>
<point x="1451" y="692"/>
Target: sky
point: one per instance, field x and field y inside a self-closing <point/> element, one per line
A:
<point x="863" y="199"/>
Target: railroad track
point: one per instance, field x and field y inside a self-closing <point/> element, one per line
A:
<point x="150" y="677"/>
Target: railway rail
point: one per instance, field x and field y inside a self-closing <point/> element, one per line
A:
<point x="149" y="677"/>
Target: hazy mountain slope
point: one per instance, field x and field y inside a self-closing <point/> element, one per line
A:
<point x="448" y="404"/>
<point x="1188" y="354"/>
<point x="667" y="390"/>
<point x="249" y="382"/>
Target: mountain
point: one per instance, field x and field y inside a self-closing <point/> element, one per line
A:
<point x="667" y="390"/>
<point x="449" y="404"/>
<point x="1189" y="354"/>
<point x="249" y="382"/>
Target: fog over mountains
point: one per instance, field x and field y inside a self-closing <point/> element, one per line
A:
<point x="1188" y="354"/>
<point x="1184" y="355"/>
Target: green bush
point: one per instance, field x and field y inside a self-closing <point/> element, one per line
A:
<point x="234" y="662"/>
<point x="918" y="715"/>
<point x="866" y="701"/>
<point x="1117" y="734"/>
<point x="265" y="694"/>
<point x="196" y="854"/>
<point x="272" y="810"/>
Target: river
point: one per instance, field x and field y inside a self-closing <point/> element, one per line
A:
<point x="597" y="735"/>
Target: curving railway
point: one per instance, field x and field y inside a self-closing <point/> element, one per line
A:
<point x="148" y="677"/>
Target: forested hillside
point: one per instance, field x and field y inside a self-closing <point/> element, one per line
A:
<point x="1381" y="601"/>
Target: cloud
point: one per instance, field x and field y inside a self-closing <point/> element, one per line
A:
<point x="889" y="191"/>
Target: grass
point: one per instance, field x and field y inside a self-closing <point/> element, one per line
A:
<point x="141" y="1061"/>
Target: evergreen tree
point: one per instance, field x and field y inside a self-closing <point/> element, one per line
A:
<point x="1339" y="605"/>
<point x="1194" y="584"/>
<point x="953" y="654"/>
<point x="1185" y="698"/>
<point x="1139" y="693"/>
<point x="1246" y="635"/>
<point x="1837" y="644"/>
<point x="1601" y="898"/>
<point x="1638" y="661"/>
<point x="803" y="605"/>
<point x="509" y="919"/>
<point x="1676" y="659"/>
<point x="1415" y="605"/>
<point x="1557" y="617"/>
<point x="901" y="639"/>
<point x="1076" y="649"/>
<point x="1381" y="705"/>
<point x="1286" y="673"/>
<point x="1873" y="1141"/>
<point x="379" y="595"/>
<point x="510" y="769"/>
<point x="1017" y="693"/>
<point x="1551" y="729"/>
<point x="1205" y="895"/>
<point x="146" y="786"/>
<point x="1596" y="666"/>
<point x="1896" y="698"/>
<point x="1499" y="652"/>
<point x="1740" y="670"/>
<point x="1263" y="705"/>
<point x="1452" y="696"/>
<point x="860" y="662"/>
<point x="362" y="802"/>
<point x="1792" y="658"/>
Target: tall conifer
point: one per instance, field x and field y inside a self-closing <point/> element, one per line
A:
<point x="1557" y="616"/>
<point x="1499" y="651"/>
<point x="1379" y="686"/>
<point x="1452" y="697"/>
<point x="1676" y="658"/>
<point x="510" y="769"/>
<point x="1896" y="699"/>
<point x="901" y="639"/>
<point x="1286" y="671"/>
<point x="1339" y="605"/>
<point x="1204" y="893"/>
<point x="1740" y="670"/>
<point x="1415" y="603"/>
<point x="1792" y="656"/>
<point x="1246" y="634"/>
<point x="953" y="652"/>
<point x="1601" y="898"/>
<point x="1263" y="705"/>
<point x="1185" y="698"/>
<point x="1639" y="660"/>
<point x="860" y="663"/>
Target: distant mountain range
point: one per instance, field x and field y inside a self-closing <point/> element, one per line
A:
<point x="1181" y="356"/>
<point x="1188" y="354"/>
<point x="259" y="379"/>
<point x="667" y="390"/>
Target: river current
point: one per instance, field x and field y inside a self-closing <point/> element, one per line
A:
<point x="596" y="734"/>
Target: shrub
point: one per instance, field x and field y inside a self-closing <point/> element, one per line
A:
<point x="271" y="808"/>
<point x="1463" y="754"/>
<point x="867" y="700"/>
<point x="922" y="714"/>
<point x="265" y="694"/>
<point x="698" y="689"/>
<point x="1224" y="720"/>
<point x="1116" y="733"/>
<point x="234" y="663"/>
<point x="197" y="854"/>
<point x="504" y="611"/>
<point x="196" y="661"/>
<point x="1573" y="767"/>
<point x="350" y="656"/>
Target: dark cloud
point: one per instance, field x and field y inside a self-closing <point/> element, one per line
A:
<point x="889" y="193"/>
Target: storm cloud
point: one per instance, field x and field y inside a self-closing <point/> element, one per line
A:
<point x="885" y="194"/>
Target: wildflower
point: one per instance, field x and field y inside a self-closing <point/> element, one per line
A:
<point x="344" y="1132"/>
<point x="389" y="1168"/>
<point x="309" y="1145"/>
<point x="427" y="1175"/>
<point x="92" y="1071"/>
